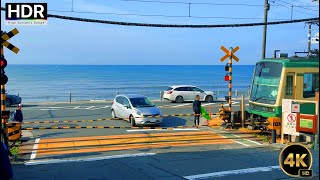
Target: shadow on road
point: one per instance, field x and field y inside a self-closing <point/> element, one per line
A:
<point x="173" y="121"/>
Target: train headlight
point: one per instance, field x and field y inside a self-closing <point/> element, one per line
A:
<point x="269" y="109"/>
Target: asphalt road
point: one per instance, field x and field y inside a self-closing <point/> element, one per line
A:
<point x="189" y="153"/>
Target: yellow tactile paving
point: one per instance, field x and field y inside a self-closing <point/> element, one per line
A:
<point x="122" y="136"/>
<point x="110" y="142"/>
<point x="126" y="142"/>
<point x="60" y="145"/>
<point x="86" y="143"/>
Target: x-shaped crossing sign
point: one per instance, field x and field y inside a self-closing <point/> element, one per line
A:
<point x="7" y="36"/>
<point x="229" y="53"/>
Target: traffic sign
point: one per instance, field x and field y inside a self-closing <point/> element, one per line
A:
<point x="229" y="53"/>
<point x="7" y="36"/>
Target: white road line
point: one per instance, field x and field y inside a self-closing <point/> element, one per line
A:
<point x="181" y="105"/>
<point x="236" y="136"/>
<point x="54" y="161"/>
<point x="174" y="129"/>
<point x="104" y="107"/>
<point x="49" y="109"/>
<point x="241" y="143"/>
<point x="76" y="107"/>
<point x="208" y="104"/>
<point x="234" y="140"/>
<point x="253" y="142"/>
<point x="90" y="107"/>
<point x="35" y="147"/>
<point x="233" y="172"/>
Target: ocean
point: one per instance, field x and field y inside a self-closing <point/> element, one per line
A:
<point x="52" y="83"/>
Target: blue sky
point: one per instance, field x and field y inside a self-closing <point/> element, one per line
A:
<point x="69" y="42"/>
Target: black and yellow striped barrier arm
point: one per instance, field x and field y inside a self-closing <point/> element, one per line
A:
<point x="108" y="127"/>
<point x="105" y="119"/>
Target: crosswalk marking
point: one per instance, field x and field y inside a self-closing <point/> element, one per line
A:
<point x="63" y="146"/>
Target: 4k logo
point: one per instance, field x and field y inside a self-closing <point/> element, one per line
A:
<point x="296" y="160"/>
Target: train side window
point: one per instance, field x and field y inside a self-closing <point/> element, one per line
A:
<point x="310" y="84"/>
<point x="289" y="85"/>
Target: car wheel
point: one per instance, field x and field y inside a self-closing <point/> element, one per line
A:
<point x="179" y="99"/>
<point x="209" y="99"/>
<point x="113" y="114"/>
<point x="8" y="102"/>
<point x="132" y="121"/>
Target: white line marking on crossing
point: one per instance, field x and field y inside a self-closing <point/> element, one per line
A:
<point x="49" y="109"/>
<point x="174" y="129"/>
<point x="90" y="107"/>
<point x="76" y="107"/>
<point x="181" y="105"/>
<point x="54" y="161"/>
<point x="236" y="135"/>
<point x="208" y="104"/>
<point x="35" y="147"/>
<point x="234" y="140"/>
<point x="241" y="143"/>
<point x="253" y="142"/>
<point x="233" y="172"/>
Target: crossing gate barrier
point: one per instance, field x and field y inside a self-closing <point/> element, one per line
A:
<point x="14" y="131"/>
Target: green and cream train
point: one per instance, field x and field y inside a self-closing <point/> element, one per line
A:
<point x="281" y="78"/>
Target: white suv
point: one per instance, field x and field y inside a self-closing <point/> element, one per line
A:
<point x="183" y="93"/>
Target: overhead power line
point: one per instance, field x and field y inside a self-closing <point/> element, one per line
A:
<point x="291" y="8"/>
<point x="174" y="25"/>
<point x="163" y="15"/>
<point x="199" y="3"/>
<point x="298" y="6"/>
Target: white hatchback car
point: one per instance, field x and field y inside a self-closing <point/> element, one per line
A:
<point x="183" y="93"/>
<point x="137" y="109"/>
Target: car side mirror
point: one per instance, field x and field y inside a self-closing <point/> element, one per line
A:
<point x="128" y="106"/>
<point x="202" y="91"/>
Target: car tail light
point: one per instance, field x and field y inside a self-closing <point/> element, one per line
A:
<point x="112" y="102"/>
<point x="169" y="92"/>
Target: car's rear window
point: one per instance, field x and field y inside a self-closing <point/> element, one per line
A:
<point x="169" y="89"/>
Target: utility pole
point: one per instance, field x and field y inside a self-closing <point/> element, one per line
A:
<point x="309" y="39"/>
<point x="264" y="37"/>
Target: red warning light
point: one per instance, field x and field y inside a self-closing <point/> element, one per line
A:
<point x="226" y="78"/>
<point x="3" y="63"/>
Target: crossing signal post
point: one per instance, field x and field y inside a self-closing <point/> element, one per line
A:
<point x="4" y="79"/>
<point x="229" y="54"/>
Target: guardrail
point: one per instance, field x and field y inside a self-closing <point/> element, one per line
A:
<point x="73" y="96"/>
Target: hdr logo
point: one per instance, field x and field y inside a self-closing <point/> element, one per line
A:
<point x="26" y="14"/>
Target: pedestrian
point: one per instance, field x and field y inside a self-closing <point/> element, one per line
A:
<point x="197" y="110"/>
<point x="6" y="168"/>
<point x="17" y="115"/>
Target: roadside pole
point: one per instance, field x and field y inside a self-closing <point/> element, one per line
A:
<point x="228" y="77"/>
<point x="5" y="36"/>
<point x="230" y="87"/>
<point x="242" y="111"/>
<point x="3" y="98"/>
<point x="3" y="103"/>
<point x="264" y="37"/>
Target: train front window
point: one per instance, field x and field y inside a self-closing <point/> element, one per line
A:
<point x="310" y="84"/>
<point x="266" y="82"/>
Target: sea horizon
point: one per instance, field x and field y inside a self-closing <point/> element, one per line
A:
<point x="52" y="83"/>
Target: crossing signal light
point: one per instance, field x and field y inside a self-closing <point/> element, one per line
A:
<point x="227" y="77"/>
<point x="4" y="78"/>
<point x="226" y="68"/>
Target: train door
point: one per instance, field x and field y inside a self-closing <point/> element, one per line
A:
<point x="290" y="86"/>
